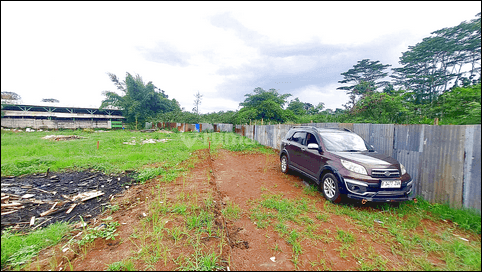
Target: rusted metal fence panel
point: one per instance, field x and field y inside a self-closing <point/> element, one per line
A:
<point x="381" y="137"/>
<point x="443" y="164"/>
<point x="472" y="188"/>
<point x="407" y="149"/>
<point x="363" y="130"/>
<point x="224" y="127"/>
<point x="206" y="127"/>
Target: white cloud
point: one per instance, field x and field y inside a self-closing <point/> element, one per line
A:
<point x="63" y="50"/>
<point x="329" y="95"/>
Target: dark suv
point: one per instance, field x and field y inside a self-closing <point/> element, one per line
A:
<point x="341" y="162"/>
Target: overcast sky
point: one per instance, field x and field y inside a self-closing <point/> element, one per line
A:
<point x="224" y="50"/>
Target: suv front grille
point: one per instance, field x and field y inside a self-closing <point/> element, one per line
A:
<point x="385" y="173"/>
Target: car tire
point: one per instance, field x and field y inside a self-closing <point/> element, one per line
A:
<point x="284" y="164"/>
<point x="329" y="188"/>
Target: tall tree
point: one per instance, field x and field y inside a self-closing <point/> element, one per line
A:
<point x="297" y="107"/>
<point x="265" y="105"/>
<point x="140" y="101"/>
<point x="197" y="101"/>
<point x="363" y="78"/>
<point x="434" y="65"/>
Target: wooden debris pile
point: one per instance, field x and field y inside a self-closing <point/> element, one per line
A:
<point x="12" y="203"/>
<point x="62" y="137"/>
<point x="29" y="201"/>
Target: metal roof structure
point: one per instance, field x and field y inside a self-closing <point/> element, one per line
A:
<point x="51" y="111"/>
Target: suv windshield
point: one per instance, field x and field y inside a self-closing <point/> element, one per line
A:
<point x="343" y="142"/>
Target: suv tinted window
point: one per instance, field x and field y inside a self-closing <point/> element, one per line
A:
<point x="310" y="139"/>
<point x="339" y="141"/>
<point x="299" y="137"/>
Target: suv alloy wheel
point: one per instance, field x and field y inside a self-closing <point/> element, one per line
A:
<point x="329" y="187"/>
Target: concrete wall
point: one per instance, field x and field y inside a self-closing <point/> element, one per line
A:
<point x="53" y="124"/>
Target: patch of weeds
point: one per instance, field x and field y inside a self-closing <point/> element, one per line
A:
<point x="468" y="219"/>
<point x="310" y="190"/>
<point x="197" y="221"/>
<point x="232" y="211"/>
<point x="345" y="237"/>
<point x="113" y="208"/>
<point x="377" y="263"/>
<point x="342" y="250"/>
<point x="306" y="219"/>
<point x="276" y="248"/>
<point x="180" y="208"/>
<point x="149" y="173"/>
<point x="281" y="228"/>
<point x="260" y="217"/>
<point x="461" y="255"/>
<point x="176" y="233"/>
<point x="124" y="265"/>
<point x="293" y="240"/>
<point x="209" y="202"/>
<point x="17" y="249"/>
<point x="199" y="262"/>
<point x="107" y="231"/>
<point x="323" y="217"/>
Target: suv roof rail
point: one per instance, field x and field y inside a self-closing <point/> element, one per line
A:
<point x="338" y="128"/>
<point x="303" y="127"/>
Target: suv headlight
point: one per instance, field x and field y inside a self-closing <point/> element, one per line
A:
<point x="354" y="167"/>
<point x="402" y="168"/>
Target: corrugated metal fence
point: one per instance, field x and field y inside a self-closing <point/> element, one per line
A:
<point x="191" y="127"/>
<point x="444" y="161"/>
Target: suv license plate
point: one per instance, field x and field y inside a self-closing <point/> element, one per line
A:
<point x="391" y="184"/>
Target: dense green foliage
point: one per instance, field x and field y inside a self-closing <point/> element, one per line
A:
<point x="140" y="101"/>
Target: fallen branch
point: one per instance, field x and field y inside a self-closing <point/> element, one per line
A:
<point x="92" y="196"/>
<point x="13" y="204"/>
<point x="71" y="208"/>
<point x="42" y="223"/>
<point x="87" y="195"/>
<point x="88" y="177"/>
<point x="14" y="223"/>
<point x="45" y="191"/>
<point x="49" y="211"/>
<point x="5" y="213"/>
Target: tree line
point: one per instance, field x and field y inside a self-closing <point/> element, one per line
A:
<point x="439" y="79"/>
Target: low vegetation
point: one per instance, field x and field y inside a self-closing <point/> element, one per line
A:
<point x="185" y="218"/>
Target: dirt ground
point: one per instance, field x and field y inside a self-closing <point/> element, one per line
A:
<point x="227" y="177"/>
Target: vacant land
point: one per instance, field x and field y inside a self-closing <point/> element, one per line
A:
<point x="229" y="206"/>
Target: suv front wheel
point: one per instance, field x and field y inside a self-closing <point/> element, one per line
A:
<point x="329" y="187"/>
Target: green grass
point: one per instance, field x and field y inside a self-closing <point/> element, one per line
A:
<point x="26" y="153"/>
<point x="401" y="222"/>
<point x="232" y="211"/>
<point x="18" y="249"/>
<point x="199" y="262"/>
<point x="124" y="265"/>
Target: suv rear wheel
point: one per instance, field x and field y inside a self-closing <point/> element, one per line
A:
<point x="284" y="164"/>
<point x="329" y="187"/>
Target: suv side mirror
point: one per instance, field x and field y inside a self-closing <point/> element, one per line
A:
<point x="313" y="146"/>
